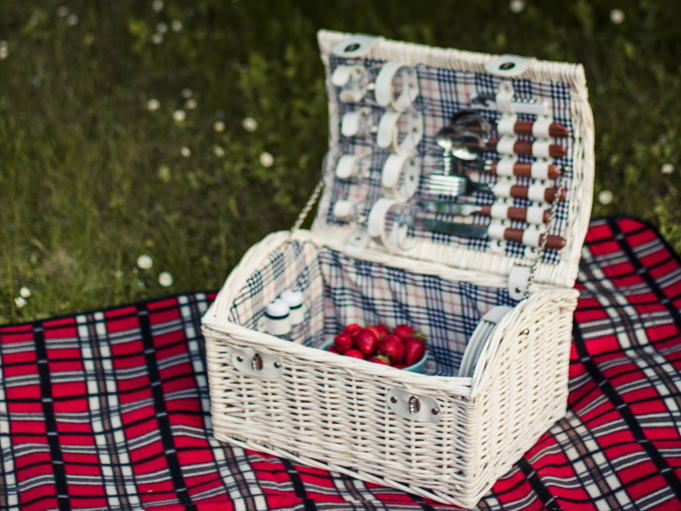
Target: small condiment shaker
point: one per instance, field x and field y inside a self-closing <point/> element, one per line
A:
<point x="294" y="299"/>
<point x="278" y="317"/>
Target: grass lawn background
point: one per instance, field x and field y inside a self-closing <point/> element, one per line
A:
<point x="90" y="178"/>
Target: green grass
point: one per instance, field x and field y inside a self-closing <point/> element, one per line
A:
<point x="90" y="178"/>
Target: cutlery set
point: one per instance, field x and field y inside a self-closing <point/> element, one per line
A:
<point x="460" y="149"/>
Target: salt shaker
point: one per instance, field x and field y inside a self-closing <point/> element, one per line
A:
<point x="278" y="318"/>
<point x="294" y="300"/>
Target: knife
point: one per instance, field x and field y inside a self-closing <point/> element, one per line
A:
<point x="532" y="215"/>
<point x="528" y="237"/>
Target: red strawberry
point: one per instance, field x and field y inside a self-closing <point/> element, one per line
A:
<point x="354" y="354"/>
<point x="399" y="366"/>
<point x="333" y="350"/>
<point x="392" y="347"/>
<point x="382" y="331"/>
<point x="374" y="331"/>
<point x="415" y="349"/>
<point x="380" y="359"/>
<point x="352" y="329"/>
<point x="366" y="341"/>
<point x="403" y="331"/>
<point x="343" y="342"/>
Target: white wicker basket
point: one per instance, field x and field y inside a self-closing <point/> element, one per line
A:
<point x="332" y="412"/>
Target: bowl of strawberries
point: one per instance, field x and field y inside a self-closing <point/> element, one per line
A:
<point x="403" y="348"/>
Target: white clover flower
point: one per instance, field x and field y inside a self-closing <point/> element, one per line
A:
<point x="63" y="11"/>
<point x="157" y="5"/>
<point x="20" y="301"/>
<point x="617" y="16"/>
<point x="140" y="283"/>
<point x="517" y="5"/>
<point x="190" y="104"/>
<point x="153" y="105"/>
<point x="186" y="152"/>
<point x="118" y="274"/>
<point x="165" y="279"/>
<point x="72" y="20"/>
<point x="179" y="116"/>
<point x="266" y="160"/>
<point x="144" y="262"/>
<point x="219" y="126"/>
<point x="187" y="93"/>
<point x="25" y="292"/>
<point x="4" y="52"/>
<point x="157" y="38"/>
<point x="605" y="197"/>
<point x="162" y="28"/>
<point x="219" y="151"/>
<point x="176" y="25"/>
<point x="667" y="168"/>
<point x="249" y="124"/>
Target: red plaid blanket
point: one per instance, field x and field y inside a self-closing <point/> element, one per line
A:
<point x="109" y="409"/>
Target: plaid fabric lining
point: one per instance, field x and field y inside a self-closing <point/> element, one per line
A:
<point x="109" y="409"/>
<point x="339" y="291"/>
<point x="442" y="93"/>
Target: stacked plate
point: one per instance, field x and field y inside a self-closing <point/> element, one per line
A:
<point x="480" y="338"/>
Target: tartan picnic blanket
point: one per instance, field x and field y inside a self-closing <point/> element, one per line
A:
<point x="110" y="409"/>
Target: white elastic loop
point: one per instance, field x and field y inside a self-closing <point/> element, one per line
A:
<point x="502" y="189"/>
<point x="540" y="127"/>
<point x="535" y="215"/>
<point x="376" y="221"/>
<point x="540" y="169"/>
<point x="506" y="144"/>
<point x="341" y="75"/>
<point x="504" y="97"/>
<point x="531" y="238"/>
<point x="496" y="231"/>
<point x="347" y="166"/>
<point x="351" y="124"/>
<point x="506" y="125"/>
<point x="497" y="246"/>
<point x="392" y="169"/>
<point x="506" y="164"/>
<point x="387" y="129"/>
<point x="384" y="86"/>
<point x="536" y="193"/>
<point x="540" y="149"/>
<point x="499" y="210"/>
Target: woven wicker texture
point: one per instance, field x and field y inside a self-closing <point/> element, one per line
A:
<point x="332" y="412"/>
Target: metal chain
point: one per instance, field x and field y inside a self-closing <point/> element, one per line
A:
<point x="308" y="206"/>
<point x="544" y="239"/>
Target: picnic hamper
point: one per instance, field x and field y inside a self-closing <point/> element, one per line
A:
<point x="388" y="102"/>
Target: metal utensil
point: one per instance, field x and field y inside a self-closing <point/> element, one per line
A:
<point x="471" y="121"/>
<point x="534" y="215"/>
<point x="457" y="186"/>
<point x="529" y="237"/>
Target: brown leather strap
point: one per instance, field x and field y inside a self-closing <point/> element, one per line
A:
<point x="555" y="130"/>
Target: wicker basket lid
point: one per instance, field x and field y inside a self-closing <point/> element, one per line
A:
<point x="387" y="102"/>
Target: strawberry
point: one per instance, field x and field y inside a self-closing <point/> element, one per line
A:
<point x="382" y="331"/>
<point x="392" y="347"/>
<point x="343" y="342"/>
<point x="354" y="354"/>
<point x="399" y="366"/>
<point x="403" y="331"/>
<point x="366" y="341"/>
<point x="380" y="359"/>
<point x="415" y="348"/>
<point x="352" y="329"/>
<point x="374" y="331"/>
<point x="333" y="350"/>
